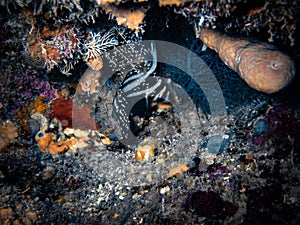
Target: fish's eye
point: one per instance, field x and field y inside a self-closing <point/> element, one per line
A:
<point x="274" y="65"/>
<point x="41" y="134"/>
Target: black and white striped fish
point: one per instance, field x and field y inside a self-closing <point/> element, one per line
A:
<point x="134" y="88"/>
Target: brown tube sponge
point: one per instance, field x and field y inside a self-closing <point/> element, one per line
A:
<point x="261" y="65"/>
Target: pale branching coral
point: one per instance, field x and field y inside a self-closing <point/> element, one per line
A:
<point x="8" y="133"/>
<point x="96" y="44"/>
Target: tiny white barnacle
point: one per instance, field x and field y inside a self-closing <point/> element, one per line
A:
<point x="238" y="58"/>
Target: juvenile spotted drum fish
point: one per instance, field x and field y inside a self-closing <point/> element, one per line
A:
<point x="134" y="88"/>
<point x="261" y="65"/>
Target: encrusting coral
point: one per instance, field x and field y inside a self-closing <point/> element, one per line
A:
<point x="179" y="170"/>
<point x="50" y="138"/>
<point x="57" y="47"/>
<point x="61" y="47"/>
<point x="83" y="137"/>
<point x="25" y="215"/>
<point x="171" y="2"/>
<point x="89" y="81"/>
<point x="130" y="18"/>
<point x="46" y="141"/>
<point x="8" y="134"/>
<point x="55" y="139"/>
<point x="144" y="152"/>
<point x="36" y="106"/>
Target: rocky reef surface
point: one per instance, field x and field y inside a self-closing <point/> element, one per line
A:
<point x="196" y="145"/>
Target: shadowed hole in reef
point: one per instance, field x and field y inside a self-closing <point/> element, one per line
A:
<point x="146" y="111"/>
<point x="209" y="204"/>
<point x="188" y="84"/>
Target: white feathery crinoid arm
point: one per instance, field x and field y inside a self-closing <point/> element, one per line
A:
<point x="142" y="76"/>
<point x="98" y="44"/>
<point x="197" y="27"/>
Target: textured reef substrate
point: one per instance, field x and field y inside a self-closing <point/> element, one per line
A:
<point x="61" y="157"/>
